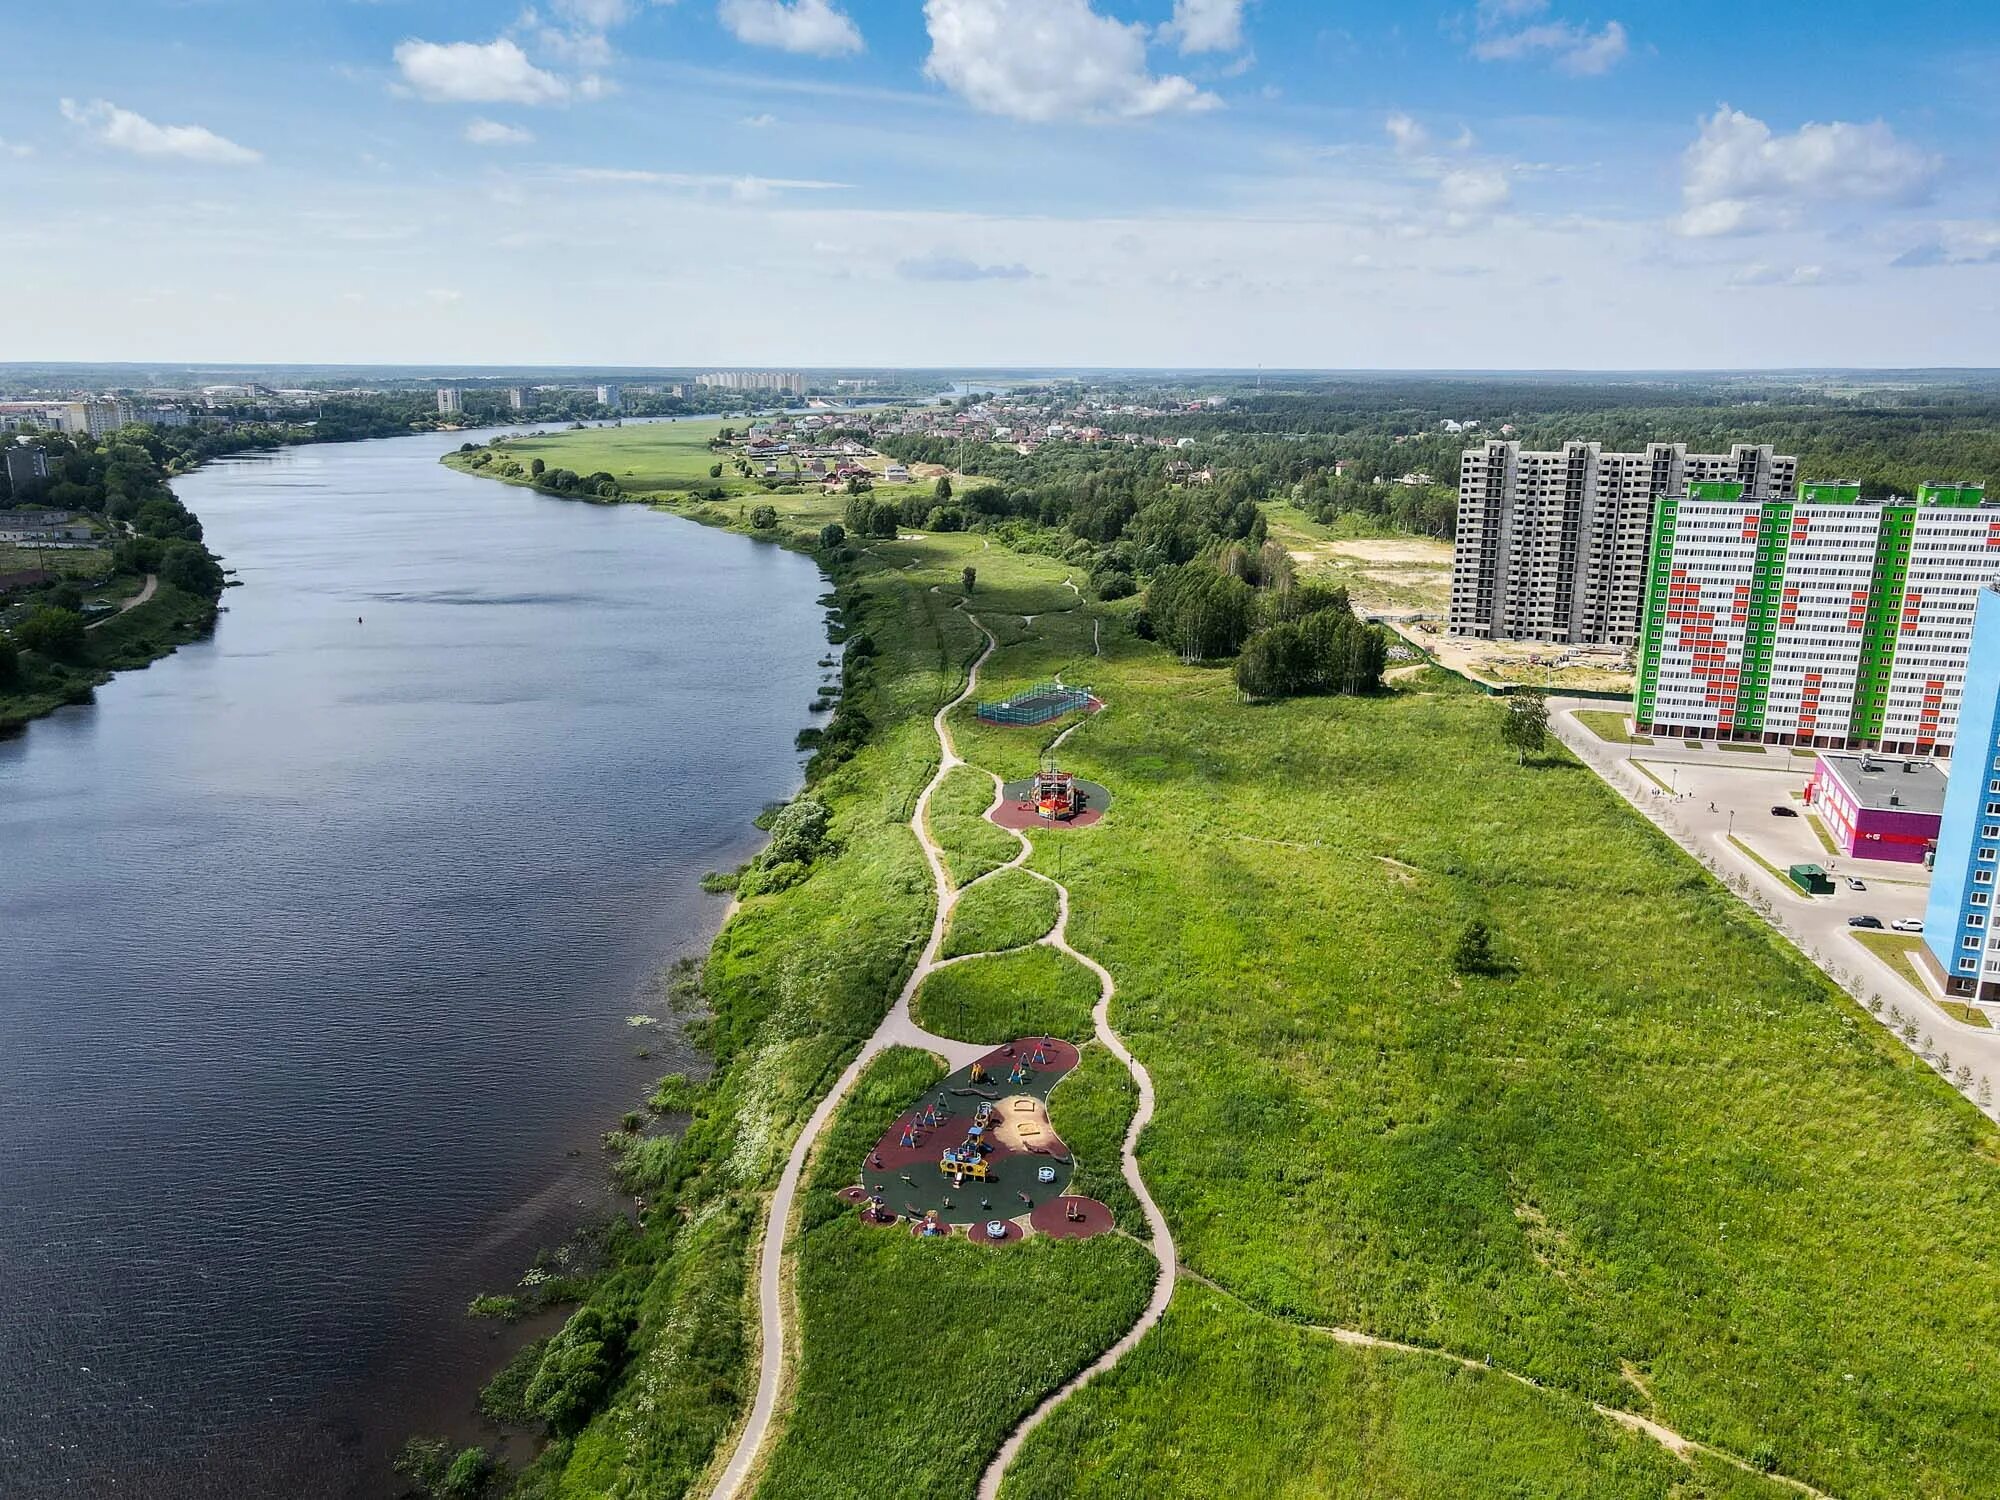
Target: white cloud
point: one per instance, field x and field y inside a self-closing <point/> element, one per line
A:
<point x="1572" y="48"/>
<point x="483" y="132"/>
<point x="941" y="265"/>
<point x="760" y="122"/>
<point x="1045" y="60"/>
<point x="1758" y="274"/>
<point x="598" y="15"/>
<point x="1473" y="190"/>
<point x="123" y="130"/>
<point x="1409" y="138"/>
<point x="1206" y="25"/>
<point x="1739" y="176"/>
<point x="495" y="72"/>
<point x="15" y="149"/>
<point x="741" y="187"/>
<point x="815" y="27"/>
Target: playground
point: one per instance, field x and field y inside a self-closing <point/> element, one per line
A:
<point x="1039" y="704"/>
<point x="977" y="1156"/>
<point x="1051" y="799"/>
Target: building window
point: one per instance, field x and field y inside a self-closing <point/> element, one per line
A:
<point x="1971" y="942"/>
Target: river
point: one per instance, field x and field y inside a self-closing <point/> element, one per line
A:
<point x="319" y="942"/>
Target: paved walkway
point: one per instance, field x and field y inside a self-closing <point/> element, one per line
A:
<point x="899" y="1029"/>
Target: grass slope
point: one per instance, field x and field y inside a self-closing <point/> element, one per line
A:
<point x="1029" y="992"/>
<point x="972" y="846"/>
<point x="1008" y="911"/>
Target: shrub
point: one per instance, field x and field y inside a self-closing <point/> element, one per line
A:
<point x="764" y="517"/>
<point x="51" y="630"/>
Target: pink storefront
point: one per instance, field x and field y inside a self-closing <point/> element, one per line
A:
<point x="1878" y="806"/>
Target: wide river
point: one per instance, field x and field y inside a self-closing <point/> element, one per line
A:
<point x="320" y="944"/>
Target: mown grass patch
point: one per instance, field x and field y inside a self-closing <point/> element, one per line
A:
<point x="1612" y="727"/>
<point x="1899" y="951"/>
<point x="1091" y="1110"/>
<point x="972" y="846"/>
<point x="1010" y="910"/>
<point x="1030" y="992"/>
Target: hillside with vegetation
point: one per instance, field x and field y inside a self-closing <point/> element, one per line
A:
<point x="1491" y="1127"/>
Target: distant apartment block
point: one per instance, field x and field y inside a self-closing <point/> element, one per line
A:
<point x="517" y="398"/>
<point x="754" y="380"/>
<point x="27" y="466"/>
<point x="92" y="418"/>
<point x="1958" y="921"/>
<point x="451" y="401"/>
<point x="611" y="397"/>
<point x="1552" y="545"/>
<point x="1825" y="620"/>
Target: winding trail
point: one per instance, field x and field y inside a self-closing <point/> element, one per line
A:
<point x="899" y="1029"/>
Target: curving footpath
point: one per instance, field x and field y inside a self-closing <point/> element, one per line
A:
<point x="899" y="1029"/>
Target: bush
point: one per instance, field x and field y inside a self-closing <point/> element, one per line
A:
<point x="1473" y="952"/>
<point x="796" y="833"/>
<point x="505" y="1308"/>
<point x="832" y="535"/>
<point x="576" y="1368"/>
<point x="51" y="630"/>
<point x="764" y="517"/>
<point x="768" y="880"/>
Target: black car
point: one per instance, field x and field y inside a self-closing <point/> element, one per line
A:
<point x="1864" y="922"/>
<point x="1782" y="811"/>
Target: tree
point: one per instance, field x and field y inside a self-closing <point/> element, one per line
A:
<point x="10" y="662"/>
<point x="832" y="535"/>
<point x="51" y="630"/>
<point x="1526" y="725"/>
<point x="715" y="471"/>
<point x="971" y="578"/>
<point x="1473" y="952"/>
<point x="942" y="491"/>
<point x="535" y="468"/>
<point x="764" y="517"/>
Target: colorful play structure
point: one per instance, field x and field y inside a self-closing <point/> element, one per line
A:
<point x="1055" y="794"/>
<point x="998" y="1160"/>
<point x="1038" y="704"/>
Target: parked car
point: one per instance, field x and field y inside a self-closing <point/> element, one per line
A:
<point x="1856" y="883"/>
<point x="1908" y="924"/>
<point x="1779" y="810"/>
<point x="1875" y="922"/>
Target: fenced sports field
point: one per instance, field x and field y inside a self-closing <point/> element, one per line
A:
<point x="1037" y="705"/>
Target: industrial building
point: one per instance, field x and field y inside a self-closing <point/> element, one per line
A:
<point x="1826" y="620"/>
<point x="1552" y="545"/>
<point x="1958" y="921"/>
<point x="1876" y="806"/>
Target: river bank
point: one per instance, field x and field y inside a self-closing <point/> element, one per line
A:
<point x="354" y="899"/>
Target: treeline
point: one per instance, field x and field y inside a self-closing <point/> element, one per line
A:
<point x="1288" y="638"/>
<point x="601" y="485"/>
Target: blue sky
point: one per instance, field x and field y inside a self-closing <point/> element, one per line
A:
<point x="1495" y="184"/>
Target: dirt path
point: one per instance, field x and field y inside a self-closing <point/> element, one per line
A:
<point x="152" y="586"/>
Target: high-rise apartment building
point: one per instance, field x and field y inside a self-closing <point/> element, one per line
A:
<point x="1823" y="620"/>
<point x="451" y="401"/>
<point x="1958" y="921"/>
<point x="94" y="418"/>
<point x="611" y="397"/>
<point x="1552" y="545"/>
<point x="517" y="398"/>
<point x="754" y="380"/>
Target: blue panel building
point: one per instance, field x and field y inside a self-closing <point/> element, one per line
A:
<point x="1958" y="923"/>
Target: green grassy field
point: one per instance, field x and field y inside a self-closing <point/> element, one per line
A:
<point x="1661" y="1164"/>
<point x="972" y="846"/>
<point x="1008" y="911"/>
<point x="1029" y="992"/>
<point x="1610" y="725"/>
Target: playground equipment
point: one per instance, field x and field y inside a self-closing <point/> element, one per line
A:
<point x="1037" y="705"/>
<point x="996" y="1229"/>
<point x="1054" y="795"/>
<point x="964" y="1162"/>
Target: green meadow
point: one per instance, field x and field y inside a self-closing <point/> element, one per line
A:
<point x="1654" y="1160"/>
<point x="1008" y="911"/>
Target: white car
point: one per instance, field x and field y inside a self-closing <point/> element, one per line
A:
<point x="1907" y="924"/>
<point x="1856" y="883"/>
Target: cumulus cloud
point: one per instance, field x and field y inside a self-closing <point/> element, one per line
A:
<point x="1507" y="31"/>
<point x="1758" y="274"/>
<point x="123" y="130"/>
<point x="495" y="72"/>
<point x="1408" y="137"/>
<point x="1473" y="190"/>
<point x="484" y="132"/>
<point x="941" y="266"/>
<point x="817" y="28"/>
<point x="1206" y="25"/>
<point x="1740" y="176"/>
<point x="1044" y="60"/>
<point x="1962" y="244"/>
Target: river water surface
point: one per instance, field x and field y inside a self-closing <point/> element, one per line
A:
<point x="318" y="942"/>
